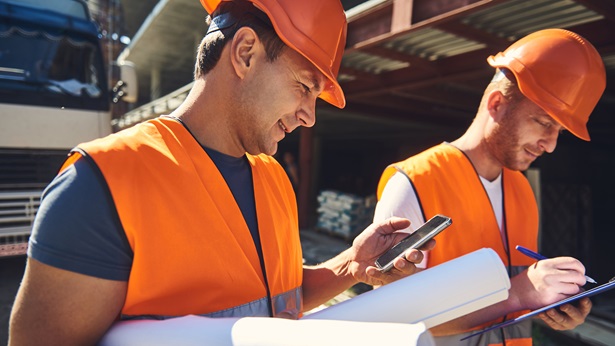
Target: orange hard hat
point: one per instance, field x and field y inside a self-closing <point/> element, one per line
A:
<point x="315" y="29"/>
<point x="559" y="71"/>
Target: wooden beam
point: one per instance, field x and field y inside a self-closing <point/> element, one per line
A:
<point x="472" y="65"/>
<point x="371" y="24"/>
<point x="402" y="15"/>
<point x="375" y="27"/>
<point x="429" y="9"/>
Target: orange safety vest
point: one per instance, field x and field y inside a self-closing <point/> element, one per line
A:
<point x="446" y="182"/>
<point x="193" y="252"/>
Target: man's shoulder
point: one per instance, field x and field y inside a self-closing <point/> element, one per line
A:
<point x="438" y="152"/>
<point x="130" y="138"/>
<point x="435" y="158"/>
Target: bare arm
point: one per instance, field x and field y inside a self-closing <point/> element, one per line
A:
<point x="543" y="283"/>
<point x="325" y="281"/>
<point x="59" y="307"/>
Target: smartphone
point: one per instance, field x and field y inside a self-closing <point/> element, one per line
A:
<point x="415" y="240"/>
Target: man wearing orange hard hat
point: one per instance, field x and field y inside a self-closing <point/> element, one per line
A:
<point x="544" y="83"/>
<point x="188" y="214"/>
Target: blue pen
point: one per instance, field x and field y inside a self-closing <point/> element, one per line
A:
<point x="537" y="256"/>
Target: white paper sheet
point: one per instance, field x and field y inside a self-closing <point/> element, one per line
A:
<point x="433" y="296"/>
<point x="396" y="313"/>
<point x="263" y="331"/>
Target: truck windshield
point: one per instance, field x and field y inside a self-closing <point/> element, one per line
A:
<point x="62" y="70"/>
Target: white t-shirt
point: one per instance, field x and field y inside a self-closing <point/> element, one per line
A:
<point x="399" y="199"/>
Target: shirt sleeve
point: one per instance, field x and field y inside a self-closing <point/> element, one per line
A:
<point x="77" y="227"/>
<point x="399" y="199"/>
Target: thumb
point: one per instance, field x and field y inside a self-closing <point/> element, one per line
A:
<point x="393" y="224"/>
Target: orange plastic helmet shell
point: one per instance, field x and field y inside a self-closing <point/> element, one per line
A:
<point x="561" y="72"/>
<point x="315" y="29"/>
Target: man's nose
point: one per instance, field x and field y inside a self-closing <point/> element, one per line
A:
<point x="307" y="113"/>
<point x="549" y="143"/>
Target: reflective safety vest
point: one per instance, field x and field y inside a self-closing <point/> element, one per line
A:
<point x="193" y="251"/>
<point x="446" y="182"/>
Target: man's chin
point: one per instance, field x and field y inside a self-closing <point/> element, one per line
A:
<point x="522" y="166"/>
<point x="270" y="150"/>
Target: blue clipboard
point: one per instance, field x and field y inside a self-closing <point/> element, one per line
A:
<point x="596" y="290"/>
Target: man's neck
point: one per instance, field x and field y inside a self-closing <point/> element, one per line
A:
<point x="207" y="123"/>
<point x="485" y="164"/>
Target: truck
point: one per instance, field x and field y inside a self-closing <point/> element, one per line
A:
<point x="54" y="94"/>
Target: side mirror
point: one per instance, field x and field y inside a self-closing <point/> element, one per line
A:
<point x="126" y="88"/>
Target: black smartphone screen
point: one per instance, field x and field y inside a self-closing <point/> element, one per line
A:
<point x="427" y="231"/>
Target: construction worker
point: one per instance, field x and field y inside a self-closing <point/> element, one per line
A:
<point x="546" y="82"/>
<point x="187" y="214"/>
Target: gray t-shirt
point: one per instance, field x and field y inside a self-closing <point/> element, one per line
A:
<point x="77" y="227"/>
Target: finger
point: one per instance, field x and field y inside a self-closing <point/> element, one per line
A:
<point x="585" y="305"/>
<point x="568" y="316"/>
<point x="392" y="224"/>
<point x="401" y="268"/>
<point x="569" y="280"/>
<point x="549" y="318"/>
<point x="559" y="320"/>
<point x="566" y="263"/>
<point x="408" y="267"/>
<point x="569" y="286"/>
<point x="377" y="278"/>
<point x="413" y="256"/>
<point x="577" y="313"/>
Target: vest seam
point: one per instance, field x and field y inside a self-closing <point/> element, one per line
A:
<point x="416" y="192"/>
<point x="507" y="245"/>
<point x="108" y="196"/>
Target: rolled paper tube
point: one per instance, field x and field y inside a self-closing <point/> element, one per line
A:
<point x="433" y="296"/>
<point x="263" y="331"/>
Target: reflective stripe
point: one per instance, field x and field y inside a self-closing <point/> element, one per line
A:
<point x="289" y="303"/>
<point x="519" y="334"/>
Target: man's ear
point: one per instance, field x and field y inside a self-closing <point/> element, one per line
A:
<point x="243" y="50"/>
<point x="496" y="105"/>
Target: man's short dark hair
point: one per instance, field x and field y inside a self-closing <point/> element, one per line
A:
<point x="227" y="19"/>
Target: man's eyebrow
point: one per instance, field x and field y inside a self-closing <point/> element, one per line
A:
<point x="549" y="119"/>
<point x="315" y="82"/>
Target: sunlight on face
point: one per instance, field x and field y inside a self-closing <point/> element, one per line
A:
<point x="524" y="133"/>
<point x="280" y="98"/>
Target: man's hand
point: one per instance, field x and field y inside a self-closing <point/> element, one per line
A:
<point x="373" y="242"/>
<point x="567" y="316"/>
<point x="547" y="281"/>
<point x="356" y="264"/>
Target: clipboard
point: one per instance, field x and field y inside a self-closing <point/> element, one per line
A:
<point x="596" y="290"/>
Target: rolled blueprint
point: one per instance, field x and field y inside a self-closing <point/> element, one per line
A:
<point x="433" y="296"/>
<point x="263" y="331"/>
